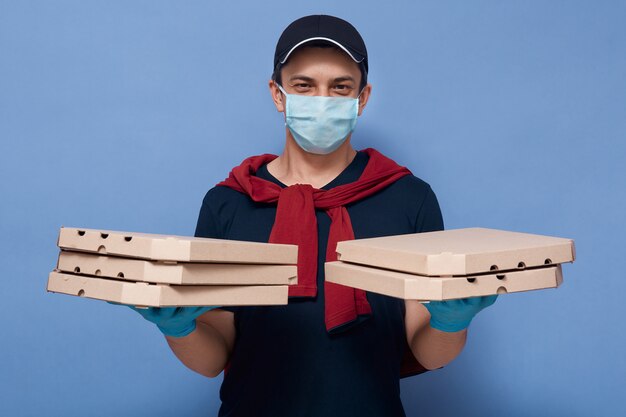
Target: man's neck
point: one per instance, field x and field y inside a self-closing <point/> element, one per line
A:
<point x="296" y="166"/>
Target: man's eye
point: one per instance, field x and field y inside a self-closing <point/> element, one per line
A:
<point x="302" y="85"/>
<point x="342" y="88"/>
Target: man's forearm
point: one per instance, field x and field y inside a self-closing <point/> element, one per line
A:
<point x="204" y="350"/>
<point x="434" y="348"/>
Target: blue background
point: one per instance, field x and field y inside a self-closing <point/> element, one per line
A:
<point x="121" y="114"/>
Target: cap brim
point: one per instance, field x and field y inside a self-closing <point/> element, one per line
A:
<point x="355" y="57"/>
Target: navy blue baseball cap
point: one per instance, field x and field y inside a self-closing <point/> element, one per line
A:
<point x="321" y="29"/>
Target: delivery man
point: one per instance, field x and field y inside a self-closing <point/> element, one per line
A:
<point x="333" y="350"/>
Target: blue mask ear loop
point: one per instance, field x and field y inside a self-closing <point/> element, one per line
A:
<point x="280" y="87"/>
<point x="358" y="99"/>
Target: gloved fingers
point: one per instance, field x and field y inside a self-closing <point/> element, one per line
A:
<point x="162" y="315"/>
<point x="166" y="313"/>
<point x="150" y="313"/>
<point x="194" y="312"/>
<point x="489" y="300"/>
<point x="187" y="313"/>
<point x="480" y="302"/>
<point x="455" y="304"/>
<point x="473" y="301"/>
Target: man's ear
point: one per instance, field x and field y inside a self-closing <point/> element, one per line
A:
<point x="365" y="95"/>
<point x="277" y="96"/>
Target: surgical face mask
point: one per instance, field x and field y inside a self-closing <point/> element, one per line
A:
<point x="320" y="124"/>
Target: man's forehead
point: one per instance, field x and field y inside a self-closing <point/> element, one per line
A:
<point x="317" y="54"/>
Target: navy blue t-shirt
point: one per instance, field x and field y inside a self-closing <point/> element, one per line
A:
<point x="284" y="362"/>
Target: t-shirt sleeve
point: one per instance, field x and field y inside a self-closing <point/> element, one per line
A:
<point x="429" y="218"/>
<point x="207" y="222"/>
<point x="208" y="226"/>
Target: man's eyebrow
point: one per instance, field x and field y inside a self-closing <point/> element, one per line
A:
<point x="345" y="78"/>
<point x="310" y="80"/>
<point x="301" y="77"/>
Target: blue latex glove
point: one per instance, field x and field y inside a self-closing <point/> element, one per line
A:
<point x="456" y="315"/>
<point x="172" y="321"/>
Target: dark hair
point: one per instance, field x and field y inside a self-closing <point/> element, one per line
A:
<point x="276" y="76"/>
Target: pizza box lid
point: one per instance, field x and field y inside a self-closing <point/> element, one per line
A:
<point x="175" y="248"/>
<point x="457" y="251"/>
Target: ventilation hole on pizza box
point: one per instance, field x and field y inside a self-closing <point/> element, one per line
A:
<point x="501" y="277"/>
<point x="77" y="270"/>
<point x="128" y="238"/>
<point x="104" y="235"/>
<point x="98" y="272"/>
<point x="521" y="265"/>
<point x="548" y="261"/>
<point x="501" y="290"/>
<point x="120" y="275"/>
<point x="81" y="233"/>
<point x="471" y="279"/>
<point x="81" y="293"/>
<point x="493" y="267"/>
<point x="102" y="249"/>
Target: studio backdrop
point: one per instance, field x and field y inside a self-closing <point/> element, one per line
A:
<point x="120" y="115"/>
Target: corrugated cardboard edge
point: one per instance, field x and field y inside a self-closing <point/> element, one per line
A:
<point x="407" y="286"/>
<point x="176" y="273"/>
<point x="157" y="295"/>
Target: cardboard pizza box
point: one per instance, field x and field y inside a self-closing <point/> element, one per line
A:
<point x="181" y="273"/>
<point x="160" y="295"/>
<point x="417" y="287"/>
<point x="458" y="251"/>
<point x="175" y="248"/>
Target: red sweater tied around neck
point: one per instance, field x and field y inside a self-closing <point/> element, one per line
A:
<point x="296" y="223"/>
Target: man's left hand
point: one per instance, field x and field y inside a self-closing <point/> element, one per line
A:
<point x="456" y="315"/>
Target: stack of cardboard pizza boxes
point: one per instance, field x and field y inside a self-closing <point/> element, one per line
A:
<point x="451" y="264"/>
<point x="152" y="270"/>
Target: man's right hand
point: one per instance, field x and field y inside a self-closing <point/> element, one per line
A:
<point x="172" y="321"/>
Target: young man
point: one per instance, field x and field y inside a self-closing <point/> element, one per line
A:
<point x="332" y="350"/>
